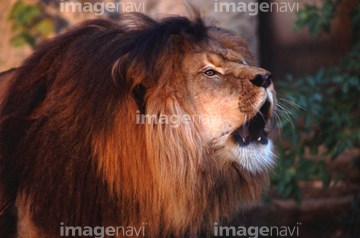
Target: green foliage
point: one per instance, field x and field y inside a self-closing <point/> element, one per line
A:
<point x="30" y="23"/>
<point x="323" y="119"/>
<point x="317" y="18"/>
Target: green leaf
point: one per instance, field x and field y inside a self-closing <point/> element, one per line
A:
<point x="288" y="176"/>
<point x="280" y="186"/>
<point x="44" y="27"/>
<point x="30" y="12"/>
<point x="319" y="75"/>
<point x="310" y="81"/>
<point x="341" y="177"/>
<point x="314" y="28"/>
<point x="326" y="179"/>
<point x="22" y="39"/>
<point x="288" y="190"/>
<point x="15" y="9"/>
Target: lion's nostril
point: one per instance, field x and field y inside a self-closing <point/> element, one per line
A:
<point x="258" y="80"/>
<point x="267" y="80"/>
<point x="262" y="80"/>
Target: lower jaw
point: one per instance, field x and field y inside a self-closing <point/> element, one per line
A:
<point x="254" y="158"/>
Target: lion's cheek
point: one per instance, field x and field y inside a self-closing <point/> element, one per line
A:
<point x="218" y="115"/>
<point x="251" y="99"/>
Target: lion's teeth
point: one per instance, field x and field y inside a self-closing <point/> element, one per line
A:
<point x="259" y="139"/>
<point x="243" y="140"/>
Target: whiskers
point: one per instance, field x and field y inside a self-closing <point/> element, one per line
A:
<point x="285" y="110"/>
<point x="293" y="104"/>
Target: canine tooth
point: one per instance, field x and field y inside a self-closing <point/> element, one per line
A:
<point x="243" y="140"/>
<point x="259" y="139"/>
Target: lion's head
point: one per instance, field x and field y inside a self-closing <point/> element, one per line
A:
<point x="88" y="138"/>
<point x="234" y="97"/>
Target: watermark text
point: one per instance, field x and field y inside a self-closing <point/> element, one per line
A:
<point x="102" y="231"/>
<point x="255" y="231"/>
<point x="253" y="8"/>
<point x="100" y="8"/>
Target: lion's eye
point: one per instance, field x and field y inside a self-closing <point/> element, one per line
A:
<point x="210" y="72"/>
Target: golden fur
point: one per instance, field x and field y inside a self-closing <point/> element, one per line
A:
<point x="72" y="149"/>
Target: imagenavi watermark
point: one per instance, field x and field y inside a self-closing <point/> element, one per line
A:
<point x="100" y="8"/>
<point x="255" y="231"/>
<point x="253" y="8"/>
<point x="175" y="120"/>
<point x="102" y="231"/>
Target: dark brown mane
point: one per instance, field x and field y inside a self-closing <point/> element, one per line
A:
<point x="70" y="145"/>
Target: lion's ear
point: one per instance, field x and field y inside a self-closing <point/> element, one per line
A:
<point x="138" y="93"/>
<point x="125" y="77"/>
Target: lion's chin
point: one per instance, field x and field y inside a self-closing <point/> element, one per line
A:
<point x="255" y="157"/>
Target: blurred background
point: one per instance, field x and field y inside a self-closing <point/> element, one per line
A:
<point x="313" y="50"/>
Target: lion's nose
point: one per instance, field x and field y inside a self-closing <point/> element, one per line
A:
<point x="262" y="80"/>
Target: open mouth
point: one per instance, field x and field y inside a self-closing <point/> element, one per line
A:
<point x="253" y="131"/>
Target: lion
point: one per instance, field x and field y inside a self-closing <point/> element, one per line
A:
<point x="86" y="140"/>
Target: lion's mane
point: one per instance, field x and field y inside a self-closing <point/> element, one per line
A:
<point x="70" y="144"/>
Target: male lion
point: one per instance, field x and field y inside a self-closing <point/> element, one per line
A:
<point x="73" y="152"/>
